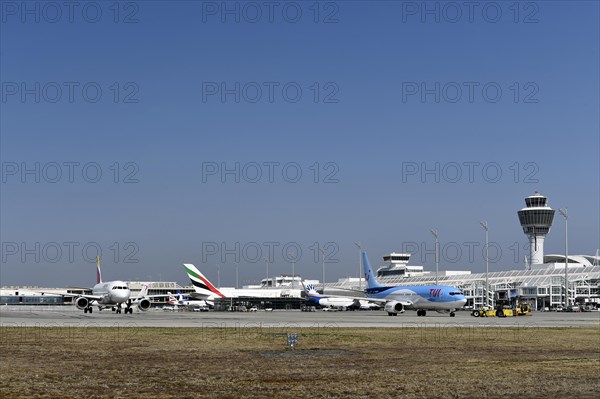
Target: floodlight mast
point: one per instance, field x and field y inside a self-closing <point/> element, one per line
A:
<point x="267" y="263"/>
<point x="323" y="254"/>
<point x="437" y="254"/>
<point x="357" y="243"/>
<point x="237" y="264"/>
<point x="487" y="286"/>
<point x="564" y="213"/>
<point x="293" y="257"/>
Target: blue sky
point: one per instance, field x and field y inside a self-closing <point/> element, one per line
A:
<point x="361" y="120"/>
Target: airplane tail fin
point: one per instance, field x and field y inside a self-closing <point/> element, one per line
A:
<point x="99" y="274"/>
<point x="309" y="288"/>
<point x="200" y="282"/>
<point x="369" y="276"/>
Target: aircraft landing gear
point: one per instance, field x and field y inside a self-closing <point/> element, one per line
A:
<point x="392" y="314"/>
<point x="452" y="314"/>
<point x="421" y="312"/>
<point x="88" y="309"/>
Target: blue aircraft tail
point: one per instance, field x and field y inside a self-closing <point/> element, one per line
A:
<point x="369" y="276"/>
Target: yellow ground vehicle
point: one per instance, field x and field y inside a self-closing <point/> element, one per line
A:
<point x="521" y="309"/>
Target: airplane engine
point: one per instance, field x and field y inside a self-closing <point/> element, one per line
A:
<point x="144" y="304"/>
<point x="394" y="307"/>
<point x="82" y="303"/>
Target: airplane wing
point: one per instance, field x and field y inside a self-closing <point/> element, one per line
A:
<point x="144" y="294"/>
<point x="384" y="301"/>
<point x="93" y="297"/>
<point x="373" y="300"/>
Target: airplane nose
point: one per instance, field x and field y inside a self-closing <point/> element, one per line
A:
<point x="123" y="295"/>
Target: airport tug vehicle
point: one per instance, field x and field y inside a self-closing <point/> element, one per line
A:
<point x="502" y="309"/>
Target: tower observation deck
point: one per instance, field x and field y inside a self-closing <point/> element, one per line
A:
<point x="536" y="219"/>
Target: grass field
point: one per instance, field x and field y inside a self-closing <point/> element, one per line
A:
<point x="328" y="362"/>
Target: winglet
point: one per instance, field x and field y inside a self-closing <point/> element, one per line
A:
<point x="143" y="291"/>
<point x="99" y="274"/>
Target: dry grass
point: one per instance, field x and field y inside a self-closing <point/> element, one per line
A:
<point x="334" y="362"/>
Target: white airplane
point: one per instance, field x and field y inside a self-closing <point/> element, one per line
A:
<point x="328" y="301"/>
<point x="207" y="291"/>
<point x="110" y="294"/>
<point x="181" y="301"/>
<point x="337" y="301"/>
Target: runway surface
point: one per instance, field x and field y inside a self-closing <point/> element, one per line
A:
<point x="71" y="317"/>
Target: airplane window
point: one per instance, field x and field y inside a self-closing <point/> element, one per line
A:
<point x="456" y="293"/>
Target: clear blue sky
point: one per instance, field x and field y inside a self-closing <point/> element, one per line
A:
<point x="370" y="127"/>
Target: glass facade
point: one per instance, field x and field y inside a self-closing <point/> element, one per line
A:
<point x="31" y="300"/>
<point x="536" y="220"/>
<point x="536" y="202"/>
<point x="397" y="258"/>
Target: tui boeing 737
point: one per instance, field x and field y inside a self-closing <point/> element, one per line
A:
<point x="441" y="298"/>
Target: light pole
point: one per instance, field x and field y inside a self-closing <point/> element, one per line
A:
<point x="485" y="227"/>
<point x="323" y="254"/>
<point x="563" y="212"/>
<point x="357" y="243"/>
<point x="267" y="262"/>
<point x="218" y="275"/>
<point x="437" y="254"/>
<point x="237" y="264"/>
<point x="293" y="257"/>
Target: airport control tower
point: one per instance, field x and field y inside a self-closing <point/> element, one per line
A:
<point x="536" y="220"/>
